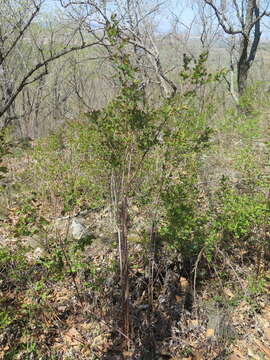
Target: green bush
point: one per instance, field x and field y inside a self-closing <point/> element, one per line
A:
<point x="67" y="170"/>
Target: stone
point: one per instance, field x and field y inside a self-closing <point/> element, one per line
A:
<point x="36" y="254"/>
<point x="78" y="230"/>
<point x="73" y="228"/>
<point x="35" y="245"/>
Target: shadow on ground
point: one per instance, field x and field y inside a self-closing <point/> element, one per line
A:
<point x="151" y="329"/>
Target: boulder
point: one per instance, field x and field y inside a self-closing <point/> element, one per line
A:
<point x="72" y="227"/>
<point x="78" y="229"/>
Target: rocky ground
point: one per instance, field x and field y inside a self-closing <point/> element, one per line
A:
<point x="76" y="315"/>
<point x="60" y="290"/>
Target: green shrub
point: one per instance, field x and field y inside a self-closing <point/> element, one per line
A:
<point x="184" y="225"/>
<point x="68" y="172"/>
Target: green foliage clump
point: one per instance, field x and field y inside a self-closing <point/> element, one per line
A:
<point x="195" y="71"/>
<point x="228" y="223"/>
<point x="235" y="218"/>
<point x="183" y="224"/>
<point x="28" y="220"/>
<point x="67" y="169"/>
<point x="240" y="212"/>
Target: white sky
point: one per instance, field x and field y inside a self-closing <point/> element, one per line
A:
<point x="172" y="9"/>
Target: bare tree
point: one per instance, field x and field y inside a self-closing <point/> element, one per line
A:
<point x="27" y="49"/>
<point x="242" y="21"/>
<point x="208" y="27"/>
<point x="136" y="26"/>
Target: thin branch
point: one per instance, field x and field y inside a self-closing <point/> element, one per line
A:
<point x="222" y="19"/>
<point x="20" y="35"/>
<point x="27" y="78"/>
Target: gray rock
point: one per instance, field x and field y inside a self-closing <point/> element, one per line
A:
<point x="36" y="254"/>
<point x="36" y="247"/>
<point x="72" y="227"/>
<point x="78" y="230"/>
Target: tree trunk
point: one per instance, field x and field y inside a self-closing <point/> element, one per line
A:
<point x="242" y="69"/>
<point x="247" y="27"/>
<point x="248" y="46"/>
<point x="124" y="270"/>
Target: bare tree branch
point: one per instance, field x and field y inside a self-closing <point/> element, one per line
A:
<point x="248" y="32"/>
